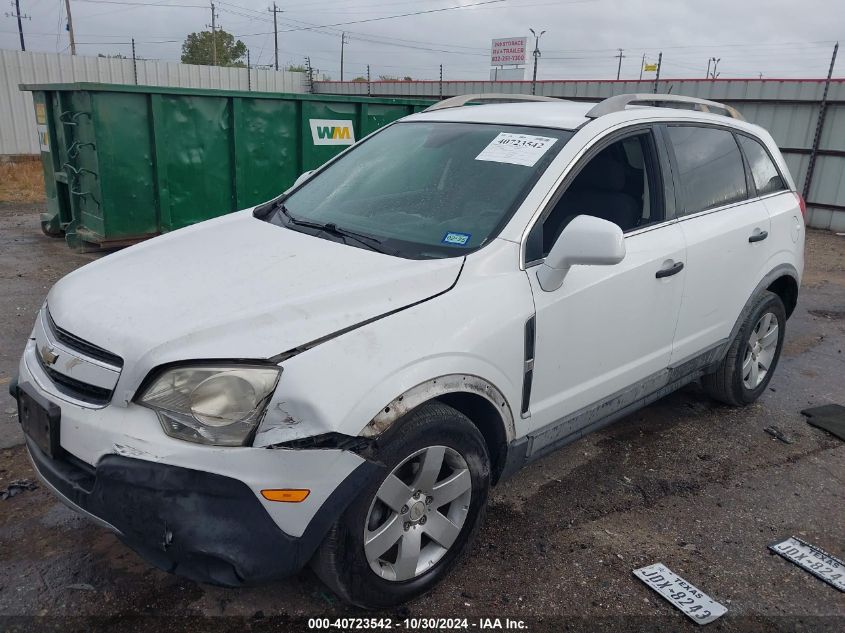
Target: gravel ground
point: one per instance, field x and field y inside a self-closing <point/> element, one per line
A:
<point x="687" y="482"/>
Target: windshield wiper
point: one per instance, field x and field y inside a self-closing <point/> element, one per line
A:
<point x="371" y="243"/>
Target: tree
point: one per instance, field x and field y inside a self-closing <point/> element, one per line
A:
<point x="198" y="48"/>
<point x="115" y="56"/>
<point x="296" y="68"/>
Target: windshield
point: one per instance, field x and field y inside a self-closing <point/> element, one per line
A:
<point x="424" y="189"/>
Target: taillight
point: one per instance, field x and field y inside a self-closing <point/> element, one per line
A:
<point x="802" y="205"/>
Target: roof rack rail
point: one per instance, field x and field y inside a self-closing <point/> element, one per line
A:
<point x="490" y="97"/>
<point x="618" y="103"/>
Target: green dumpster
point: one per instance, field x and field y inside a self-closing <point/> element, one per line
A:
<point x="123" y="163"/>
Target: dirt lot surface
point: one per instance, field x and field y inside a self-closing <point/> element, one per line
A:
<point x="687" y="482"/>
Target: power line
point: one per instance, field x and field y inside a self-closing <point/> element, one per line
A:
<point x="384" y="17"/>
<point x="151" y="5"/>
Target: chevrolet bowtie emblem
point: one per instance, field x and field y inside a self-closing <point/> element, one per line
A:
<point x="48" y="355"/>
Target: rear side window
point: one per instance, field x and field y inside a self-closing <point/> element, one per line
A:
<point x="766" y="176"/>
<point x="709" y="165"/>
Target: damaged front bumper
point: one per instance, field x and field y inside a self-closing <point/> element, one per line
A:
<point x="189" y="509"/>
<point x="195" y="524"/>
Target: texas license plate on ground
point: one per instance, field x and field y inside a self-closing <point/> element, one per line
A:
<point x="696" y="604"/>
<point x="814" y="559"/>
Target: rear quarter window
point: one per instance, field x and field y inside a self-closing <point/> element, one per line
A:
<point x="710" y="167"/>
<point x="767" y="178"/>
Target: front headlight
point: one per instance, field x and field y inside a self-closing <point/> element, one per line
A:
<point x="219" y="405"/>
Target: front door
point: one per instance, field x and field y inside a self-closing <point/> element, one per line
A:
<point x="609" y="328"/>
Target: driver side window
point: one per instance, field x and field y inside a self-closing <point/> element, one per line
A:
<point x="620" y="184"/>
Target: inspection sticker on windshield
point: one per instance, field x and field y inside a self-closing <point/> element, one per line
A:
<point x="813" y="559"/>
<point x="458" y="239"/>
<point x="516" y="149"/>
<point x="695" y="604"/>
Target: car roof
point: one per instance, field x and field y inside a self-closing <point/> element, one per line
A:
<point x="569" y="115"/>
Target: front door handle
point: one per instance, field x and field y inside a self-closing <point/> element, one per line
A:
<point x="758" y="237"/>
<point x="674" y="269"/>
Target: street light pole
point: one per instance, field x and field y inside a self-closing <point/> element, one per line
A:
<point x="536" y="56"/>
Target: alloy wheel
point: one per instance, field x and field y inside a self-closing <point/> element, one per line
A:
<point x="417" y="513"/>
<point x="760" y="351"/>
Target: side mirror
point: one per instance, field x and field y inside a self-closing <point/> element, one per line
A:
<point x="302" y="178"/>
<point x="585" y="240"/>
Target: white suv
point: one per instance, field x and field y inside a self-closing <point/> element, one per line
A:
<point x="338" y="376"/>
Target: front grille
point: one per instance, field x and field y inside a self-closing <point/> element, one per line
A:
<point x="83" y="347"/>
<point x="76" y="388"/>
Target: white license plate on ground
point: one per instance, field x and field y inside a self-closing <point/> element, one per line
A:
<point x="813" y="559"/>
<point x="695" y="604"/>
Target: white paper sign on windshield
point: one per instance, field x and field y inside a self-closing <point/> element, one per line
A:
<point x="516" y="149"/>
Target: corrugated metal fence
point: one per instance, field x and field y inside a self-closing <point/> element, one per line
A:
<point x="17" y="117"/>
<point x="788" y="108"/>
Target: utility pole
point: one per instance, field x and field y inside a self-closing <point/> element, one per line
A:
<point x="310" y="74"/>
<point x="276" y="11"/>
<point x="642" y="65"/>
<point x="441" y="81"/>
<point x="657" y="76"/>
<point x="248" y="72"/>
<point x="213" y="35"/>
<point x="70" y="28"/>
<point x="715" y="63"/>
<point x="343" y="41"/>
<point x="811" y="166"/>
<point x="134" y="62"/>
<point x="536" y="54"/>
<point x="619" y="67"/>
<point x="17" y="14"/>
<point x="368" y="80"/>
<point x="709" y="61"/>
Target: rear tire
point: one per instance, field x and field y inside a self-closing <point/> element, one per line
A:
<point x="748" y="366"/>
<point x="354" y="560"/>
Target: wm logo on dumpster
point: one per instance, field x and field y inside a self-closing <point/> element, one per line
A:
<point x="332" y="132"/>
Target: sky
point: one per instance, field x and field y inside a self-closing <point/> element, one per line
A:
<point x="751" y="38"/>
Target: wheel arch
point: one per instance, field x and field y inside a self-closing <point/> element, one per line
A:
<point x="786" y="287"/>
<point x="479" y="400"/>
<point x="783" y="277"/>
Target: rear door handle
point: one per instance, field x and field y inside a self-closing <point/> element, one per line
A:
<point x="674" y="269"/>
<point x="758" y="237"/>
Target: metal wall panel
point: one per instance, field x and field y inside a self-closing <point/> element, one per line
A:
<point x="17" y="116"/>
<point x="787" y="108"/>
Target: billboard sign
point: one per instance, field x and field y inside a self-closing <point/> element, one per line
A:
<point x="508" y="51"/>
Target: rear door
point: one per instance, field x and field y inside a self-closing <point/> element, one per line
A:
<point x="726" y="230"/>
<point x="786" y="234"/>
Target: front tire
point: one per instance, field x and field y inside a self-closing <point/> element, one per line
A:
<point x="408" y="528"/>
<point x="747" y="368"/>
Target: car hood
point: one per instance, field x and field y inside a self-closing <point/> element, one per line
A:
<point x="235" y="288"/>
